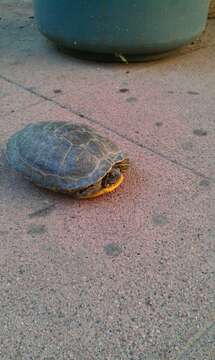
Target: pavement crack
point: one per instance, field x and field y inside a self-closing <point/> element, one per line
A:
<point x="30" y="90"/>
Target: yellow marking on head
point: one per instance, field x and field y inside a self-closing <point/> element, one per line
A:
<point x="107" y="189"/>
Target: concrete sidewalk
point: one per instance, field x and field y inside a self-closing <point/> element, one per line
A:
<point x="129" y="275"/>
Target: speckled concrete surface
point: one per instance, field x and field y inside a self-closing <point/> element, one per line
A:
<point x="129" y="275"/>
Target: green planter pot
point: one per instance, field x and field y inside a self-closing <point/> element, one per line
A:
<point x="121" y="29"/>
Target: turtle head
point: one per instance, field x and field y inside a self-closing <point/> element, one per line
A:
<point x="109" y="183"/>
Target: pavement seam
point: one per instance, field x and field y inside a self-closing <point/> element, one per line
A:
<point x="24" y="88"/>
<point x="94" y="121"/>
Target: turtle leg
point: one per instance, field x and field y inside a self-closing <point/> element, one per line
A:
<point x="88" y="192"/>
<point x="94" y="191"/>
<point x="124" y="165"/>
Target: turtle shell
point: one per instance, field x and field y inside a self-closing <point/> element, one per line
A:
<point x="62" y="156"/>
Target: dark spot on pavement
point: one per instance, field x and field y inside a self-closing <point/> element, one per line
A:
<point x="112" y="249"/>
<point x="193" y="93"/>
<point x="131" y="99"/>
<point x="21" y="269"/>
<point x="127" y="72"/>
<point x="36" y="229"/>
<point x="21" y="27"/>
<point x="187" y="146"/>
<point x="44" y="211"/>
<point x="32" y="88"/>
<point x="170" y="92"/>
<point x="160" y="219"/>
<point x="204" y="183"/>
<point x="158" y="124"/>
<point x="200" y="132"/>
<point x="4" y="232"/>
<point x="148" y="301"/>
<point x="57" y="91"/>
<point x="31" y="17"/>
<point x="123" y="90"/>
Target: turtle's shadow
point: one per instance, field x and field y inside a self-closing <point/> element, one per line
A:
<point x="15" y="187"/>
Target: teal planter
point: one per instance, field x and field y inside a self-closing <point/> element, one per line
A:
<point x="121" y="29"/>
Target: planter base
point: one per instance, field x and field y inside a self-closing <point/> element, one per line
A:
<point x="124" y="59"/>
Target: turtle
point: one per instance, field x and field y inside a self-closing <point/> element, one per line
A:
<point x="67" y="157"/>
